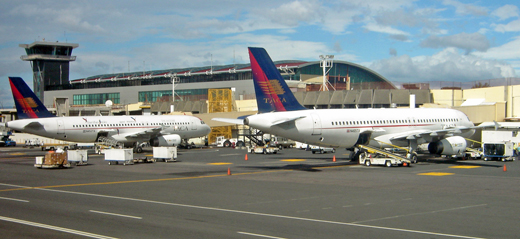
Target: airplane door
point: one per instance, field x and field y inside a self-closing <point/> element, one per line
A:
<point x="61" y="127"/>
<point x="193" y="124"/>
<point x="316" y="124"/>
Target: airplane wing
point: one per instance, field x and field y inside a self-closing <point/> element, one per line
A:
<point x="417" y="134"/>
<point x="149" y="132"/>
<point x="227" y="120"/>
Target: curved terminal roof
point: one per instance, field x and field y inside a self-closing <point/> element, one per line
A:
<point x="360" y="77"/>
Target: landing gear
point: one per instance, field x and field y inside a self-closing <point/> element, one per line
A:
<point x="138" y="148"/>
<point x="413" y="157"/>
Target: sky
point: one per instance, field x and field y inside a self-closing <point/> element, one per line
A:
<point x="403" y="40"/>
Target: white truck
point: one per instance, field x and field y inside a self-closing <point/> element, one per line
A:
<point x="501" y="151"/>
<point x="223" y="142"/>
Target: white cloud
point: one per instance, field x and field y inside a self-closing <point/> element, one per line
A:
<point x="509" y="50"/>
<point x="446" y="65"/>
<point x="464" y="41"/>
<point x="467" y="9"/>
<point x="506" y="12"/>
<point x="513" y="26"/>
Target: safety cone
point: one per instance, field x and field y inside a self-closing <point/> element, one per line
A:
<point x="334" y="158"/>
<point x="505" y="169"/>
<point x="246" y="157"/>
<point x="228" y="171"/>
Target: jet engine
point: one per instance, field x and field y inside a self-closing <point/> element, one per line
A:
<point x="449" y="146"/>
<point x="166" y="140"/>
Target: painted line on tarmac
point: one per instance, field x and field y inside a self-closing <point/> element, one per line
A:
<point x="60" y="229"/>
<point x="18" y="187"/>
<point x="463" y="166"/>
<point x="260" y="235"/>
<point x="421" y="213"/>
<point x="267" y="214"/>
<point x="115" y="214"/>
<point x="222" y="163"/>
<point x="435" y="174"/>
<point x="293" y="160"/>
<point x="14" y="199"/>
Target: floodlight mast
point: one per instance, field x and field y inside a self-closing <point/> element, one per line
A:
<point x="326" y="61"/>
<point x="174" y="79"/>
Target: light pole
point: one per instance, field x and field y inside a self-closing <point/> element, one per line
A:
<point x="326" y="61"/>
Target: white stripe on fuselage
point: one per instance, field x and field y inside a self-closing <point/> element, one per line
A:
<point x="86" y="128"/>
<point x="341" y="127"/>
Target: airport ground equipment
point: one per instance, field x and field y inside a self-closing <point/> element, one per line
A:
<point x="374" y="156"/>
<point x="322" y="150"/>
<point x="264" y="150"/>
<point x="501" y="151"/>
<point x="167" y="154"/>
<point x="77" y="157"/>
<point x="125" y="156"/>
<point x="52" y="147"/>
<point x="52" y="160"/>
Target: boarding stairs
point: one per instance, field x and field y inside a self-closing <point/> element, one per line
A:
<point x="105" y="142"/>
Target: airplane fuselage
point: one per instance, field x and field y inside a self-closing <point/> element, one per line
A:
<point x="121" y="128"/>
<point x="343" y="127"/>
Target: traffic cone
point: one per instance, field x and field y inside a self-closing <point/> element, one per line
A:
<point x="334" y="158"/>
<point x="505" y="169"/>
<point x="246" y="157"/>
<point x="228" y="171"/>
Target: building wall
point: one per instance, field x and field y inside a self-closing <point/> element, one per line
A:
<point x="130" y="94"/>
<point x="448" y="97"/>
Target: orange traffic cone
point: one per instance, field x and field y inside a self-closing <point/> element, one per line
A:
<point x="334" y="158"/>
<point x="246" y="157"/>
<point x="228" y="171"/>
<point x="505" y="169"/>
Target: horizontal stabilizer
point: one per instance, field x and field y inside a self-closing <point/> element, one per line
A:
<point x="227" y="120"/>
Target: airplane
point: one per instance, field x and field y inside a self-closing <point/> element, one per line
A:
<point x="159" y="130"/>
<point x="281" y="114"/>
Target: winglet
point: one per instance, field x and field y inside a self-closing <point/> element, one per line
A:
<point x="27" y="103"/>
<point x="272" y="93"/>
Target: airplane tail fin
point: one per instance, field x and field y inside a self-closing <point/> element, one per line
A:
<point x="27" y="104"/>
<point x="272" y="93"/>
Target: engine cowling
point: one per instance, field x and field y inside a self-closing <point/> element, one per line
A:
<point x="166" y="140"/>
<point x="449" y="146"/>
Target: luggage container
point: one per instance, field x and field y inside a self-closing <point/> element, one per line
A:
<point x="167" y="154"/>
<point x="125" y="156"/>
<point x="77" y="157"/>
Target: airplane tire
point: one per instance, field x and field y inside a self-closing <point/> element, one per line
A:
<point x="414" y="158"/>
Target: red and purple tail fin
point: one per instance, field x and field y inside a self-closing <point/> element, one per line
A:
<point x="272" y="93"/>
<point x="27" y="104"/>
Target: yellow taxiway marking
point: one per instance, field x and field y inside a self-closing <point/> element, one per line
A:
<point x="435" y="174"/>
<point x="462" y="166"/>
<point x="293" y="160"/>
<point x="138" y="181"/>
<point x="219" y="163"/>
<point x="17" y="154"/>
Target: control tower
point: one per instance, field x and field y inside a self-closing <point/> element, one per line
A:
<point x="49" y="62"/>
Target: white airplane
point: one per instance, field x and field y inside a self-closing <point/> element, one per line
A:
<point x="282" y="115"/>
<point x="163" y="130"/>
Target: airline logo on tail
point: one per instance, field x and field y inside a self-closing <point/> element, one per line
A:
<point x="272" y="93"/>
<point x="27" y="104"/>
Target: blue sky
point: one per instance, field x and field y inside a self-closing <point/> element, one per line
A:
<point x="403" y="40"/>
